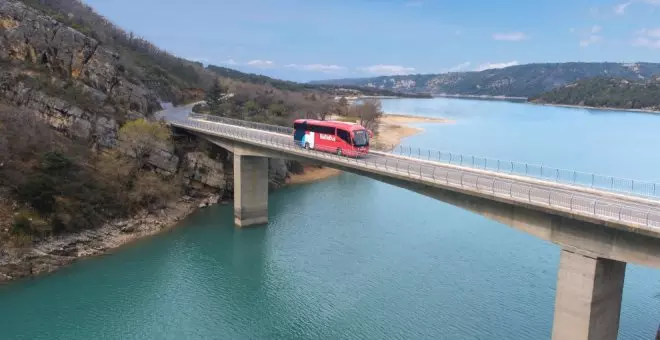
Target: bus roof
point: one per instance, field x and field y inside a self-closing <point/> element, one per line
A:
<point x="332" y="123"/>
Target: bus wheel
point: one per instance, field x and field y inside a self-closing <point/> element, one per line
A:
<point x="307" y="146"/>
<point x="338" y="152"/>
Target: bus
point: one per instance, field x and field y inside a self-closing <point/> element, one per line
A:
<point x="342" y="138"/>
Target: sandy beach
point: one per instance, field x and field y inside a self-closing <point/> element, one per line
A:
<point x="394" y="127"/>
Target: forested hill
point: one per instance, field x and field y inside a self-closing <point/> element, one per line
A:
<point x="336" y="90"/>
<point x="515" y="81"/>
<point x="607" y="92"/>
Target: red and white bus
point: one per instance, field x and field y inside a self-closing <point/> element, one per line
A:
<point x="342" y="138"/>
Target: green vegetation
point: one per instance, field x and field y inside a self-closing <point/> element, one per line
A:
<point x="62" y="186"/>
<point x="284" y="85"/>
<point x="607" y="92"/>
<point x="514" y="81"/>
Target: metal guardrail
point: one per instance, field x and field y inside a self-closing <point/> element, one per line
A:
<point x="438" y="173"/>
<point x="543" y="172"/>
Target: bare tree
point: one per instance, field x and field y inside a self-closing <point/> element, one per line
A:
<point x="342" y="106"/>
<point x="139" y="138"/>
<point x="369" y="113"/>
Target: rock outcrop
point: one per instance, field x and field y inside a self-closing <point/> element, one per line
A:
<point x="34" y="39"/>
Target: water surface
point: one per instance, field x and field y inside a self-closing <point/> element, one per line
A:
<point x="352" y="258"/>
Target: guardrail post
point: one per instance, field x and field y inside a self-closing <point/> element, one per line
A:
<point x="529" y="194"/>
<point x="647" y="218"/>
<point x="462" y="179"/>
<point x="570" y="205"/>
<point x="593" y="179"/>
<point x="594" y="207"/>
<point x="493" y="186"/>
<point x="498" y="165"/>
<point x="429" y="158"/>
<point x="574" y="176"/>
<point x="557" y="175"/>
<point x="612" y="183"/>
<point x="434" y="173"/>
<point x="461" y="159"/>
<point x="620" y="213"/>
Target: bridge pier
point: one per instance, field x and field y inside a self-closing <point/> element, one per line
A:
<point x="588" y="297"/>
<point x="250" y="190"/>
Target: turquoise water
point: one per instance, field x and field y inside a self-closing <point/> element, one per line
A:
<point x="352" y="258"/>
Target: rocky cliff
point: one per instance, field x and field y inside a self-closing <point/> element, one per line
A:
<point x="82" y="89"/>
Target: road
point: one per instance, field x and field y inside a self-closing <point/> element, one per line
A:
<point x="630" y="210"/>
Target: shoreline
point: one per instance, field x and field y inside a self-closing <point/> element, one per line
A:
<point x="49" y="255"/>
<point x="604" y="108"/>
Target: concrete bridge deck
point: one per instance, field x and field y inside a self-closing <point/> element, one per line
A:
<point x="599" y="231"/>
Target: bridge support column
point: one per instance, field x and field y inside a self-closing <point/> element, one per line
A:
<point x="250" y="190"/>
<point x="588" y="300"/>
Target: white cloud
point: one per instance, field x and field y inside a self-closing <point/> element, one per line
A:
<point x="649" y="38"/>
<point x="621" y="8"/>
<point x="388" y="69"/>
<point x="590" y="35"/>
<point x="459" y="67"/>
<point x="317" y="67"/>
<point x="229" y="62"/>
<point x="260" y="63"/>
<point x="511" y="36"/>
<point x="489" y="66"/>
<point x="592" y="39"/>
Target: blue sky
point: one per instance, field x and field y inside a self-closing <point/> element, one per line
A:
<point x="320" y="39"/>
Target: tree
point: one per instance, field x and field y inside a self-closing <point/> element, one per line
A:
<point x="216" y="95"/>
<point x="369" y="112"/>
<point x="342" y="106"/>
<point x="139" y="138"/>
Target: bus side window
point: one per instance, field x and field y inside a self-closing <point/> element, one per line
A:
<point x="344" y="135"/>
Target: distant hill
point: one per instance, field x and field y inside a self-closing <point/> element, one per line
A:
<point x="515" y="81"/>
<point x="606" y="92"/>
<point x="285" y="85"/>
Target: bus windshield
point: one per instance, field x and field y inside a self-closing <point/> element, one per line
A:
<point x="360" y="138"/>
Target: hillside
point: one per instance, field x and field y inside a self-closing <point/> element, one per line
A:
<point x="606" y="92"/>
<point x="514" y="81"/>
<point x="83" y="165"/>
<point x="335" y="90"/>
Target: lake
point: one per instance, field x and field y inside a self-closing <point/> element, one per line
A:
<point x="353" y="258"/>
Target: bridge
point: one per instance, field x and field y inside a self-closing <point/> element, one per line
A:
<point x="601" y="223"/>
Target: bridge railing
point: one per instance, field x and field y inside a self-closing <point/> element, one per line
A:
<point x="544" y="172"/>
<point x="449" y="177"/>
<point x="244" y="123"/>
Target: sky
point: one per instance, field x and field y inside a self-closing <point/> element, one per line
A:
<point x="304" y="40"/>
